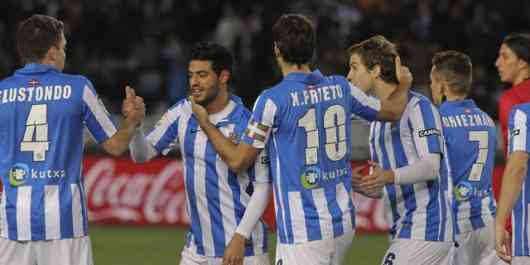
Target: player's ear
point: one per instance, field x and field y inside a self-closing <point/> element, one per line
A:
<point x="224" y="76"/>
<point x="376" y="72"/>
<point x="277" y="52"/>
<point x="51" y="54"/>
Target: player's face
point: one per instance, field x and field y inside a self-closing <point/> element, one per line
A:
<point x="508" y="64"/>
<point x="359" y="75"/>
<point x="204" y="82"/>
<point x="60" y="54"/>
<point x="436" y="88"/>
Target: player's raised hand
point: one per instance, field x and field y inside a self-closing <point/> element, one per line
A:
<point x="403" y="73"/>
<point x="503" y="244"/>
<point x="235" y="251"/>
<point x="199" y="111"/>
<point x="133" y="107"/>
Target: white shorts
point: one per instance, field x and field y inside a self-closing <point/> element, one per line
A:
<point x="319" y="252"/>
<point x="188" y="257"/>
<point x="520" y="260"/>
<point x="477" y="247"/>
<point x="73" y="251"/>
<point x="417" y="252"/>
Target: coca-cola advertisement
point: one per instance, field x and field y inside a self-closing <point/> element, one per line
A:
<point x="120" y="191"/>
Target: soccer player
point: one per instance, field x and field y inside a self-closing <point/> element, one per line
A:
<point x="304" y="124"/>
<point x="224" y="216"/>
<point x="411" y="154"/>
<point x="470" y="139"/>
<point x="43" y="213"/>
<point x="514" y="193"/>
<point x="513" y="65"/>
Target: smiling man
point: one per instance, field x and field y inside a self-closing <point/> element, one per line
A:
<point x="224" y="214"/>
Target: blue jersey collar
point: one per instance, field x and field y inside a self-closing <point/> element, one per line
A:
<point x="312" y="77"/>
<point x="35" y="68"/>
<point x="469" y="103"/>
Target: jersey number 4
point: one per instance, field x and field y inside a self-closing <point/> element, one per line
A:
<point x="335" y="131"/>
<point x="36" y="134"/>
<point x="482" y="138"/>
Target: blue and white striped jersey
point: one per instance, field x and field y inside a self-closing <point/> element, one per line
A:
<point x="43" y="113"/>
<point x="519" y="140"/>
<point x="470" y="139"/>
<point x="216" y="197"/>
<point x="419" y="211"/>
<point x="305" y="122"/>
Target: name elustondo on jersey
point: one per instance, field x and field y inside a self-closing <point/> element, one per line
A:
<point x="32" y="94"/>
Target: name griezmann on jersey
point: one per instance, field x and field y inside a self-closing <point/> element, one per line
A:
<point x="467" y="120"/>
<point x="31" y="94"/>
<point x="315" y="95"/>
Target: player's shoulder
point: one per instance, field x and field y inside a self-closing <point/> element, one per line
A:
<point x="180" y="106"/>
<point x="74" y="79"/>
<point x="524" y="108"/>
<point x="418" y="100"/>
<point x="8" y="82"/>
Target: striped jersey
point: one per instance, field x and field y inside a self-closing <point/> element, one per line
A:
<point x="216" y="197"/>
<point x="305" y="123"/>
<point x="418" y="211"/>
<point x="470" y="137"/>
<point x="43" y="114"/>
<point x="519" y="140"/>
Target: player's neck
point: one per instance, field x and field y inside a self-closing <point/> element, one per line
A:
<point x="521" y="77"/>
<point x="293" y="68"/>
<point x="219" y="103"/>
<point x="453" y="97"/>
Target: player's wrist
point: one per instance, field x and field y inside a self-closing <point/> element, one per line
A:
<point x="389" y="176"/>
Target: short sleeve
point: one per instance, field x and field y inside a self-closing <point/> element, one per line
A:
<point x="164" y="136"/>
<point x="95" y="116"/>
<point x="519" y="138"/>
<point x="261" y="122"/>
<point x="426" y="128"/>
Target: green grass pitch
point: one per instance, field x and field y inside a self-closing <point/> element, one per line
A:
<point x="137" y="245"/>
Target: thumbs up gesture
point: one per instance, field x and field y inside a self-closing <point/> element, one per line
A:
<point x="133" y="107"/>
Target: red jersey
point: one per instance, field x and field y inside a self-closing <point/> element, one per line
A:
<point x="513" y="96"/>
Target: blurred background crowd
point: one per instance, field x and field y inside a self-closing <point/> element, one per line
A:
<point x="145" y="43"/>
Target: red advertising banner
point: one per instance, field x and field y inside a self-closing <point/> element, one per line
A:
<point x="120" y="191"/>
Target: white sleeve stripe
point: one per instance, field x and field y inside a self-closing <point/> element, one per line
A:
<point x="165" y="122"/>
<point x="269" y="112"/>
<point x="519" y="139"/>
<point x="364" y="99"/>
<point x="98" y="111"/>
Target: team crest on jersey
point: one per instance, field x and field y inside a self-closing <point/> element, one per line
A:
<point x="310" y="178"/>
<point x="33" y="83"/>
<point x="18" y="174"/>
<point x="463" y="191"/>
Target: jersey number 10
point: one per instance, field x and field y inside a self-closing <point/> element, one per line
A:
<point x="36" y="134"/>
<point x="334" y="118"/>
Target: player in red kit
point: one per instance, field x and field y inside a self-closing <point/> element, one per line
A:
<point x="513" y="65"/>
